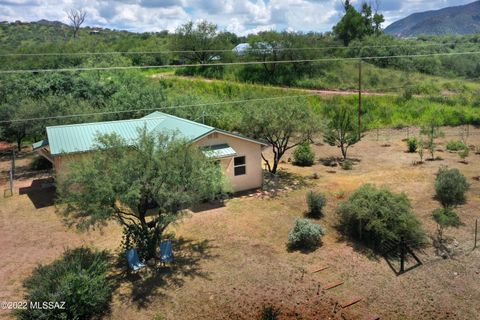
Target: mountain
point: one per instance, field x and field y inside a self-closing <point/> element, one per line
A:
<point x="457" y="20"/>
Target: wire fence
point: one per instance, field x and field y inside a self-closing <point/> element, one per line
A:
<point x="391" y="134"/>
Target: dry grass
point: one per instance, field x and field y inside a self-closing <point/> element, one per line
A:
<point x="233" y="260"/>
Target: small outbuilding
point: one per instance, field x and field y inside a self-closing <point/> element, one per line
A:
<point x="240" y="157"/>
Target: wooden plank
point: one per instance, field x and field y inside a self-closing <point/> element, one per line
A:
<point x="350" y="302"/>
<point x="333" y="285"/>
<point x="321" y="269"/>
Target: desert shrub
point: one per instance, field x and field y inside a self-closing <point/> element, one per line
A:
<point x="463" y="154"/>
<point x="377" y="215"/>
<point x="303" y="155"/>
<point x="316" y="201"/>
<point x="79" y="279"/>
<point x="270" y="313"/>
<point x="347" y="165"/>
<point x="412" y="144"/>
<point x="329" y="162"/>
<point x="305" y="235"/>
<point x="450" y="187"/>
<point x="445" y="218"/>
<point x="455" y="145"/>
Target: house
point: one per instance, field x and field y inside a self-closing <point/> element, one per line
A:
<point x="239" y="156"/>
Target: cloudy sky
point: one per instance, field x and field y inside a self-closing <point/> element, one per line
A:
<point x="239" y="16"/>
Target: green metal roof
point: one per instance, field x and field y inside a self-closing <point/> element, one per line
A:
<point x="81" y="137"/>
<point x="219" y="151"/>
<point x="40" y="144"/>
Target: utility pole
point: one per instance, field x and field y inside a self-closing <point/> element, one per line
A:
<point x="13" y="161"/>
<point x="359" y="98"/>
<point x="10" y="175"/>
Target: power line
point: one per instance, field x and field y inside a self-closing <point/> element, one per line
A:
<point x="225" y="50"/>
<point x="236" y="63"/>
<point x="158" y="109"/>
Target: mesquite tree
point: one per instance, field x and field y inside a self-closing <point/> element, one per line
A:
<point x="283" y="124"/>
<point x="144" y="186"/>
<point x="342" y="128"/>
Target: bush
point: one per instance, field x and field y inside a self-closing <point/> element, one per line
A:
<point x="412" y="144"/>
<point x="79" y="279"/>
<point x="316" y="201"/>
<point x="450" y="187"/>
<point x="464" y="154"/>
<point x="347" y="165"/>
<point x="303" y="155"/>
<point x="456" y="145"/>
<point x="305" y="235"/>
<point x="376" y="215"/>
<point x="446" y="217"/>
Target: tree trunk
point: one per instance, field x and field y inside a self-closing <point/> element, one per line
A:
<point x="344" y="151"/>
<point x="19" y="143"/>
<point x="275" y="166"/>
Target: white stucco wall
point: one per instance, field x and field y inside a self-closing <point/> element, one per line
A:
<point x="252" y="151"/>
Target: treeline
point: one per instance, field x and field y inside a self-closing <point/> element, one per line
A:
<point x="268" y="47"/>
<point x="106" y="96"/>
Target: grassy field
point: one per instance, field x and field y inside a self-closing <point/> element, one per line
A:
<point x="233" y="260"/>
<point x="379" y="109"/>
<point x="343" y="75"/>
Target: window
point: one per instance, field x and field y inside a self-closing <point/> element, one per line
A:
<point x="239" y="166"/>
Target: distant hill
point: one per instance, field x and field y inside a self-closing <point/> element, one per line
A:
<point x="42" y="33"/>
<point x="458" y="20"/>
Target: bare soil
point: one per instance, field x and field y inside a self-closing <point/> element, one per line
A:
<point x="233" y="260"/>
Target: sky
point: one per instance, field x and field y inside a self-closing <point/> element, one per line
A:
<point x="239" y="16"/>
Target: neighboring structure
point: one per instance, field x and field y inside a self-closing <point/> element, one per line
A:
<point x="258" y="47"/>
<point x="240" y="157"/>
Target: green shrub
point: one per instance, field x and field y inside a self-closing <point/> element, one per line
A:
<point x="347" y="165"/>
<point x="412" y="144"/>
<point x="376" y="216"/>
<point x="455" y="145"/>
<point x="316" y="201"/>
<point x="463" y="154"/>
<point x="445" y="218"/>
<point x="450" y="187"/>
<point x="303" y="155"/>
<point x="79" y="279"/>
<point x="305" y="235"/>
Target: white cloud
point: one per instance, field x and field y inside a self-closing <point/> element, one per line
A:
<point x="239" y="16"/>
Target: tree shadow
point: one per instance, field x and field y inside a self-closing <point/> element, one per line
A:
<point x="302" y="249"/>
<point x="206" y="206"/>
<point x="147" y="284"/>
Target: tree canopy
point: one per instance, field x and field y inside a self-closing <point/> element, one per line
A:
<point x="145" y="186"/>
<point x="284" y="124"/>
<point x="356" y="25"/>
<point x="342" y="128"/>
